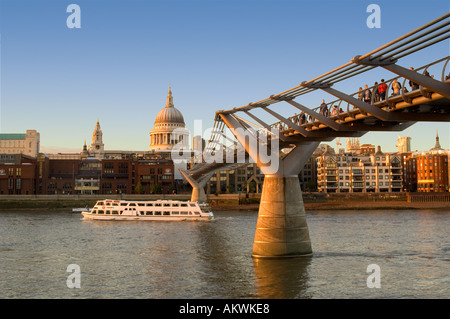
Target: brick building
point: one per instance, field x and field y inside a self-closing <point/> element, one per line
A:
<point x="21" y="174"/>
<point x="426" y="172"/>
<point x="17" y="174"/>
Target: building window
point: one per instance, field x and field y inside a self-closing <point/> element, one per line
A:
<point x="108" y="165"/>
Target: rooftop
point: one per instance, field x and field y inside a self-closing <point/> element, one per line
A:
<point x="12" y="136"/>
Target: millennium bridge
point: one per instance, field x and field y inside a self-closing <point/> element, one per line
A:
<point x="281" y="229"/>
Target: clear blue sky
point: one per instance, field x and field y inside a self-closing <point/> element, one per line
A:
<point x="216" y="55"/>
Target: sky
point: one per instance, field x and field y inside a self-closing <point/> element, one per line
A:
<point x="215" y="54"/>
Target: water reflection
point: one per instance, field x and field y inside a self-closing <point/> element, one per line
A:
<point x="282" y="278"/>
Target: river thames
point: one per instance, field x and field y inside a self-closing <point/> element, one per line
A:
<point x="212" y="260"/>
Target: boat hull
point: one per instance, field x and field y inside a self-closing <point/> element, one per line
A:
<point x="90" y="216"/>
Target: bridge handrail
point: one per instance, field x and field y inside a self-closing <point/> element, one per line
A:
<point x="311" y="120"/>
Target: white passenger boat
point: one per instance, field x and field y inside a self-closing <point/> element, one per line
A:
<point x="148" y="210"/>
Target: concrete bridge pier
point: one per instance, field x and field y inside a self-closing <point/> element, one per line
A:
<point x="281" y="229"/>
<point x="198" y="186"/>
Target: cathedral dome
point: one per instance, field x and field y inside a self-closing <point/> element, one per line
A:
<point x="169" y="114"/>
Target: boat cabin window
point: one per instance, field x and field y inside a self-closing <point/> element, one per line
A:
<point x="149" y="213"/>
<point x="192" y="205"/>
<point x="132" y="204"/>
<point x="184" y="205"/>
<point x="175" y="213"/>
<point x="115" y="212"/>
<point x="141" y="204"/>
<point x="100" y="203"/>
<point x="175" y="205"/>
<point x="166" y="204"/>
<point x="94" y="211"/>
<point x="115" y="204"/>
<point x="150" y="204"/>
<point x="123" y="204"/>
<point x="157" y="213"/>
<point x="100" y="212"/>
<point x="166" y="213"/>
<point x="108" y="204"/>
<point x="184" y="213"/>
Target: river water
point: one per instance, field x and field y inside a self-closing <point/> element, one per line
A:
<point x="132" y="259"/>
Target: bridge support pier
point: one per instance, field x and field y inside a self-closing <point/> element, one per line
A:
<point x="198" y="195"/>
<point x="198" y="187"/>
<point x="281" y="229"/>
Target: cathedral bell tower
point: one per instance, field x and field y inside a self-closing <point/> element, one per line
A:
<point x="97" y="147"/>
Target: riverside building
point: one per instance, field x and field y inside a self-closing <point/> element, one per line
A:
<point x="427" y="171"/>
<point x="20" y="143"/>
<point x="361" y="170"/>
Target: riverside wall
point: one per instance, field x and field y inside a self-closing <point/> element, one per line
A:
<point x="312" y="201"/>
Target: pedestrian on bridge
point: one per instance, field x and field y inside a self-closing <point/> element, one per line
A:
<point x="382" y="90"/>
<point x="376" y="94"/>
<point x="323" y="108"/>
<point x="367" y="94"/>
<point x="360" y="94"/>
<point x="412" y="84"/>
<point x="396" y="87"/>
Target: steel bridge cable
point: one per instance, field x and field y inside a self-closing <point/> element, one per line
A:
<point x="423" y="43"/>
<point x="360" y="69"/>
<point x="425" y="26"/>
<point x="383" y="57"/>
<point x="424" y="46"/>
<point x="338" y="74"/>
<point x="371" y="54"/>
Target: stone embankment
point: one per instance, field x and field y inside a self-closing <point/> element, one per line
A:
<point x="312" y="201"/>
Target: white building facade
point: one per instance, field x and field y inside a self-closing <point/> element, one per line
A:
<point x="356" y="173"/>
<point x="27" y="144"/>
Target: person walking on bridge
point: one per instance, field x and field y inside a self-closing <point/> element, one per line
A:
<point x="367" y="94"/>
<point x="396" y="87"/>
<point x="323" y="108"/>
<point x="382" y="90"/>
